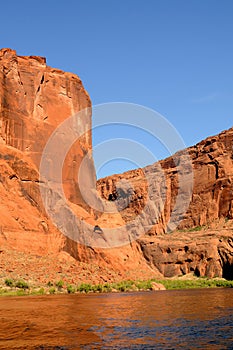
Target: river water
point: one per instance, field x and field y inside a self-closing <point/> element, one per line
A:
<point x="182" y="319"/>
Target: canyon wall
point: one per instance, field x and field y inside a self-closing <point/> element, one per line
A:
<point x="34" y="100"/>
<point x="196" y="244"/>
<point x="211" y="197"/>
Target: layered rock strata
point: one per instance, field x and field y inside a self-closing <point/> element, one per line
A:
<point x="211" y="201"/>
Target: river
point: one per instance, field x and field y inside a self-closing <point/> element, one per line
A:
<point x="181" y="319"/>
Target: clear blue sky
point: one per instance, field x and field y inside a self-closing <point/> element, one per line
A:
<point x="174" y="56"/>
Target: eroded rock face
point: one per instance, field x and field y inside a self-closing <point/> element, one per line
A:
<point x="211" y="200"/>
<point x="207" y="253"/>
<point x="211" y="197"/>
<point x="34" y="100"/>
<point x="23" y="224"/>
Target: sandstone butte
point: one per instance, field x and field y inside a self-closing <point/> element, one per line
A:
<point x="34" y="100"/>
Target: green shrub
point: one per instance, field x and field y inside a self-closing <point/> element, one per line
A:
<point x="40" y="291"/>
<point x="198" y="228"/>
<point x="9" y="282"/>
<point x="60" y="284"/>
<point x="124" y="286"/>
<point x="70" y="289"/>
<point x="20" y="292"/>
<point x="84" y="287"/>
<point x="21" y="284"/>
<point x="97" y="288"/>
<point x="196" y="283"/>
<point x="52" y="290"/>
<point x="107" y="288"/>
<point x="102" y="288"/>
<point x="143" y="285"/>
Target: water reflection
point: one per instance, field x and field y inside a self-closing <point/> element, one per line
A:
<point x="191" y="319"/>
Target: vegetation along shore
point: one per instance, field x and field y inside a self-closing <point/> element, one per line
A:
<point x="12" y="287"/>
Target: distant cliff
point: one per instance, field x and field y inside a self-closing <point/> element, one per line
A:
<point x="212" y="193"/>
<point x="201" y="249"/>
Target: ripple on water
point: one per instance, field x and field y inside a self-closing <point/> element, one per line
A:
<point x="191" y="319"/>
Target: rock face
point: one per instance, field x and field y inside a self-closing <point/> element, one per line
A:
<point x="211" y="197"/>
<point x="211" y="200"/>
<point x="205" y="253"/>
<point x="23" y="225"/>
<point x="34" y="100"/>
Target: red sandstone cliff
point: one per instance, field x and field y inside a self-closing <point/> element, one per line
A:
<point x="208" y="252"/>
<point x="34" y="100"/>
<point x="212" y="193"/>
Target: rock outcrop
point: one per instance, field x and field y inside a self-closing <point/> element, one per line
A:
<point x="211" y="197"/>
<point x="34" y="100"/>
<point x="173" y="253"/>
<point x="205" y="253"/>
